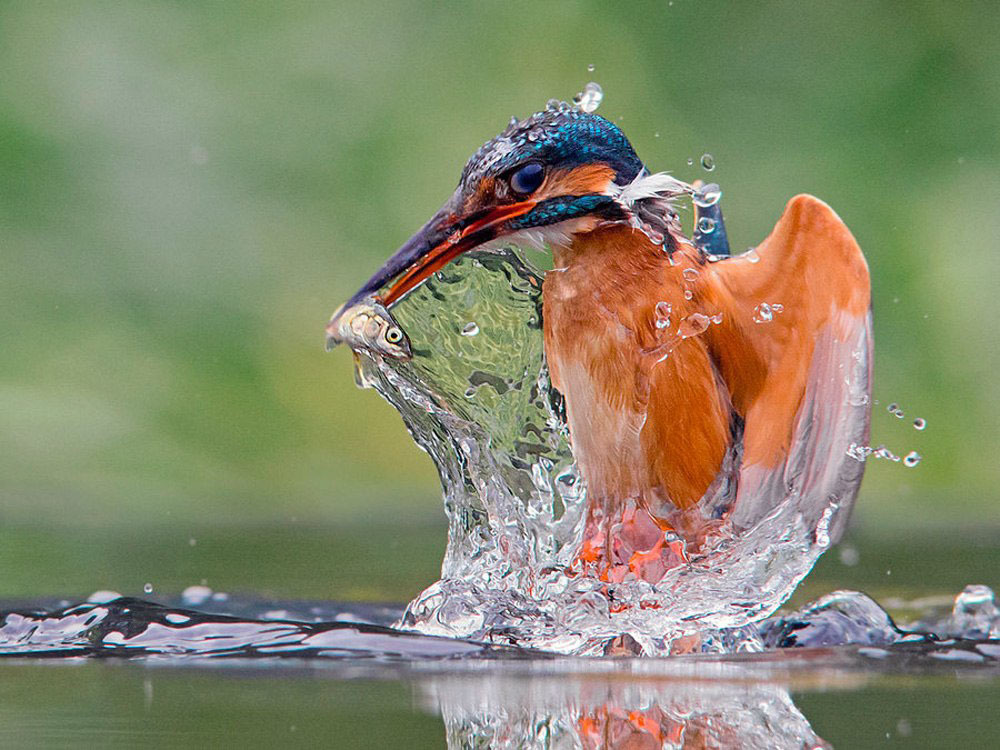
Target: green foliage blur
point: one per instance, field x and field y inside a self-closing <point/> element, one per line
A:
<point x="187" y="191"/>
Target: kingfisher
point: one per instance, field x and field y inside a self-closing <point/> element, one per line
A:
<point x="700" y="388"/>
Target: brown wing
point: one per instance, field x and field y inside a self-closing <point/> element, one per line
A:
<point x="795" y="350"/>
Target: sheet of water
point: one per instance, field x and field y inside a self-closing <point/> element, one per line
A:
<point x="476" y="396"/>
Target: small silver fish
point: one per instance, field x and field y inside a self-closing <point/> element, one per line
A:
<point x="368" y="325"/>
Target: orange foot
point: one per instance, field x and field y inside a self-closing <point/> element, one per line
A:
<point x="631" y="542"/>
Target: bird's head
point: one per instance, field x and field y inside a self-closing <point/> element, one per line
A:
<point x="560" y="172"/>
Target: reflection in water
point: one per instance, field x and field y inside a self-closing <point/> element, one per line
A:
<point x="500" y="697"/>
<point x="615" y="714"/>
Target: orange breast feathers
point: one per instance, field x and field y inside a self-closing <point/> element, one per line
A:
<point x="658" y="361"/>
<point x="648" y="415"/>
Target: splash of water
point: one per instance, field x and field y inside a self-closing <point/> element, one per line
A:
<point x="484" y="409"/>
<point x="590" y="98"/>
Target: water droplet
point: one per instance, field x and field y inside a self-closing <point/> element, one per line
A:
<point x="688" y="294"/>
<point x="707" y="162"/>
<point x="707" y="196"/>
<point x="690" y="274"/>
<point x="717" y="318"/>
<point x="706" y="225"/>
<point x="690" y="161"/>
<point x="663" y="310"/>
<point x="849" y="556"/>
<point x="148" y="588"/>
<point x="751" y="255"/>
<point x="777" y="307"/>
<point x="883" y="452"/>
<point x="762" y="313"/>
<point x="692" y="325"/>
<point x="656" y="135"/>
<point x="194" y="595"/>
<point x="470" y="329"/>
<point x="470" y="392"/>
<point x="919" y="423"/>
<point x="199" y="155"/>
<point x="590" y="98"/>
<point x="552" y="104"/>
<point x="532" y="136"/>
<point x="655" y="237"/>
<point x="892" y="408"/>
<point x="590" y="68"/>
<point x="912" y="459"/>
<point x="712" y="258"/>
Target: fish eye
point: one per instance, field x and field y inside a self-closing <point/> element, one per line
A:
<point x="528" y="178"/>
<point x="394" y="335"/>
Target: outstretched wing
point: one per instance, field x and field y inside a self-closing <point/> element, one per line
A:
<point x="795" y="350"/>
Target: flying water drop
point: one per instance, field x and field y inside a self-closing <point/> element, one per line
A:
<point x="912" y="459"/>
<point x="148" y="588"/>
<point x="707" y="162"/>
<point x="690" y="274"/>
<point x="590" y="98"/>
<point x="590" y="68"/>
<point x="663" y="310"/>
<point x="707" y="196"/>
<point x="919" y="423"/>
<point x="706" y="225"/>
<point x="470" y="329"/>
<point x="693" y="325"/>
<point x="894" y="409"/>
<point x="751" y="255"/>
<point x="763" y="313"/>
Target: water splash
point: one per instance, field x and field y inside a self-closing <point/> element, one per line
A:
<point x="516" y="501"/>
<point x="707" y="196"/>
<point x="968" y="630"/>
<point x="707" y="162"/>
<point x="590" y="98"/>
<point x="134" y="627"/>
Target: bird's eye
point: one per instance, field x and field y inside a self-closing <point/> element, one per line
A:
<point x="394" y="335"/>
<point x="528" y="178"/>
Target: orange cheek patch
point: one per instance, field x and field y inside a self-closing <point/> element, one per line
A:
<point x="583" y="180"/>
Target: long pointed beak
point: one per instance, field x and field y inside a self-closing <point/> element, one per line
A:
<point x="442" y="239"/>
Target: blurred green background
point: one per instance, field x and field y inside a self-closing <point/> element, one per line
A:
<point x="187" y="190"/>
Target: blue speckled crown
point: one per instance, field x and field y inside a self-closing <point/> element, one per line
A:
<point x="562" y="136"/>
